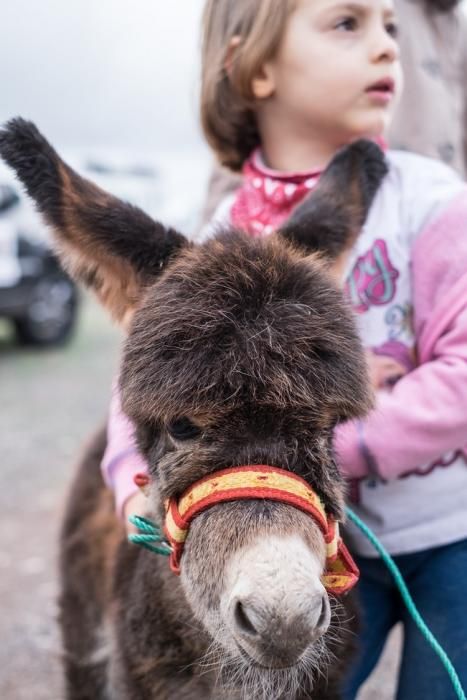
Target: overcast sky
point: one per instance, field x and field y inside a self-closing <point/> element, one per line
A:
<point x="103" y="72"/>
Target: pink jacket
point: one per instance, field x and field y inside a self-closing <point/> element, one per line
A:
<point x="427" y="409"/>
<point x="121" y="461"/>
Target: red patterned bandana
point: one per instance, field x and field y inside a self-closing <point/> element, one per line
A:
<point x="267" y="197"/>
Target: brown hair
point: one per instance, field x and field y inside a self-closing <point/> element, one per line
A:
<point x="227" y="99"/>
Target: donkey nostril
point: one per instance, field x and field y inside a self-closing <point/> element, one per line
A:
<point x="242" y="620"/>
<point x="324" y="613"/>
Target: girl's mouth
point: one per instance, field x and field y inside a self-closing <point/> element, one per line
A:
<point x="382" y="91"/>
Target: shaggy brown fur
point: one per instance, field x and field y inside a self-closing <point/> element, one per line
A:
<point x="241" y="351"/>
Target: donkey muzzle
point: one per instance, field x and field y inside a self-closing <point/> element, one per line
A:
<point x="277" y="605"/>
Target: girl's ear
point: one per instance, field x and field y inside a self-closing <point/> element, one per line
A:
<point x="263" y="84"/>
<point x="109" y="245"/>
<point x="332" y="216"/>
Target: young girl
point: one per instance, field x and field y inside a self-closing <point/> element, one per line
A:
<point x="285" y="83"/>
<point x="433" y="53"/>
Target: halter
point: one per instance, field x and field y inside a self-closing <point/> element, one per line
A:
<point x="257" y="482"/>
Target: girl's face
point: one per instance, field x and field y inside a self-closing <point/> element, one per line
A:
<point x="336" y="73"/>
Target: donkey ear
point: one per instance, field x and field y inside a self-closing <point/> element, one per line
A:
<point x="111" y="246"/>
<point x="331" y="217"/>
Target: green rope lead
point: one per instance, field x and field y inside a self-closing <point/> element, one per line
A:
<point x="149" y="533"/>
<point x="408" y="600"/>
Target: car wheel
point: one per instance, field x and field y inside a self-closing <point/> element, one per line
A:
<point x="51" y="313"/>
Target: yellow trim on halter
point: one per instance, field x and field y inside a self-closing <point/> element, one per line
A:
<point x="251" y="479"/>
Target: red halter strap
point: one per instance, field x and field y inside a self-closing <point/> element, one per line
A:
<point x="260" y="482"/>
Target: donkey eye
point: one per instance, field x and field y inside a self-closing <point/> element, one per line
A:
<point x="183" y="429"/>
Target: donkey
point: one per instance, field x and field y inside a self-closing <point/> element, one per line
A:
<point x="241" y="356"/>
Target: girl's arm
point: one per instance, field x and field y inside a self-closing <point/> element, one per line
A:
<point x="122" y="459"/>
<point x="425" y="415"/>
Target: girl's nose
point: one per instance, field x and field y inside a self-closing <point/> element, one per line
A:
<point x="385" y="48"/>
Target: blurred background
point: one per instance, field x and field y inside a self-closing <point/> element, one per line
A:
<point x="113" y="85"/>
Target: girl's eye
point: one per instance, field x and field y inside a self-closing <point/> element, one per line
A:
<point x="347" y="24"/>
<point x="392" y="29"/>
<point x="183" y="429"/>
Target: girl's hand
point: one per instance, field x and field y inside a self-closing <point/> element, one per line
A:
<point x="135" y="505"/>
<point x="384" y="370"/>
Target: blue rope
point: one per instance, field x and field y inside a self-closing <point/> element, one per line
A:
<point x="408" y="600"/>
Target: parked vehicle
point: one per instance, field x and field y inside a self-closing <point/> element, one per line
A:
<point x="36" y="295"/>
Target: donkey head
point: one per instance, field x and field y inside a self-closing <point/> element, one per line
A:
<point x="240" y="352"/>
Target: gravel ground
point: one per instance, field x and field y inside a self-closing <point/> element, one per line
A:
<point x="50" y="402"/>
